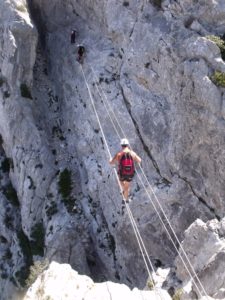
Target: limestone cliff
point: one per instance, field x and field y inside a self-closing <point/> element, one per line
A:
<point x="61" y="282"/>
<point x="154" y="61"/>
<point x="204" y="245"/>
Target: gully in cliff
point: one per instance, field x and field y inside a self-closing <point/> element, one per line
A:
<point x="125" y="159"/>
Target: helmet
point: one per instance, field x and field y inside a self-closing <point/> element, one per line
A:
<point x="124" y="142"/>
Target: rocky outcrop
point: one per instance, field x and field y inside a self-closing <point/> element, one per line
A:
<point x="204" y="246"/>
<point x="60" y="282"/>
<point x="154" y="63"/>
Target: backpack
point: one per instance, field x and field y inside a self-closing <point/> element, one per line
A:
<point x="126" y="165"/>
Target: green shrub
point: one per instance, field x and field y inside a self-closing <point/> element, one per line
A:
<point x="218" y="78"/>
<point x="5" y="166"/>
<point x="25" y="91"/>
<point x="24" y="244"/>
<point x="11" y="195"/>
<point x="150" y="284"/>
<point x="37" y="242"/>
<point x="22" y="275"/>
<point x="57" y="131"/>
<point x="219" y="42"/>
<point x="177" y="294"/>
<point x="35" y="270"/>
<point x="65" y="189"/>
<point x="65" y="183"/>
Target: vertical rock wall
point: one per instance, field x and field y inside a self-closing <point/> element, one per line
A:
<point x="153" y="62"/>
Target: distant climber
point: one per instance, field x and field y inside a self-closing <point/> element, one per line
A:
<point x="80" y="53"/>
<point x="125" y="160"/>
<point x="73" y="36"/>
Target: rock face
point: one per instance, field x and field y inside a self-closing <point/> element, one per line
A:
<point x="205" y="247"/>
<point x="61" y="282"/>
<point x="152" y="62"/>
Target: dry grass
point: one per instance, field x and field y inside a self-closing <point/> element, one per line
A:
<point x="21" y="6"/>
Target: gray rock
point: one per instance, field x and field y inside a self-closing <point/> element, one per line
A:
<point x="204" y="247"/>
<point x="154" y="66"/>
<point x="60" y="282"/>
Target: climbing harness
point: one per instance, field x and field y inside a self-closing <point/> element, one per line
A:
<point x="105" y="101"/>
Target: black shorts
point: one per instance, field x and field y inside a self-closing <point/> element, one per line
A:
<point x="126" y="178"/>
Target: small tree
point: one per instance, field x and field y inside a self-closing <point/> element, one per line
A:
<point x="65" y="189"/>
<point x="5" y="165"/>
<point x="218" y="78"/>
<point x="219" y="42"/>
<point x="37" y="242"/>
<point x="11" y="195"/>
<point x="65" y="183"/>
<point x="25" y="91"/>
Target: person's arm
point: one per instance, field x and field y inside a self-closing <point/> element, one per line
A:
<point x="113" y="160"/>
<point x="136" y="157"/>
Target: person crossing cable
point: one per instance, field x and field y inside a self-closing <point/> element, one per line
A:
<point x="73" y="36"/>
<point x="80" y="53"/>
<point x="126" y="170"/>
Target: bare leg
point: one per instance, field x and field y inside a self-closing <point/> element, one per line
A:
<point x="126" y="187"/>
<point x="122" y="186"/>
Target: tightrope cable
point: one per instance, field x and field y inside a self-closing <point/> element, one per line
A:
<point x="121" y="190"/>
<point x="141" y="244"/>
<point x="181" y="247"/>
<point x="179" y="243"/>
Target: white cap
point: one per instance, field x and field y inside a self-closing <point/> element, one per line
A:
<point x="124" y="142"/>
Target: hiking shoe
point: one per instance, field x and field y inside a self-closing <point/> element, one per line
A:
<point x="128" y="200"/>
<point x="123" y="208"/>
<point x="124" y="201"/>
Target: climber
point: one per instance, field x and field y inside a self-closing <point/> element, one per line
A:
<point x="73" y="36"/>
<point x="125" y="159"/>
<point x="80" y="53"/>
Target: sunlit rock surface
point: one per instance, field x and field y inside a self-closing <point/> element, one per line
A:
<point x="152" y="63"/>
